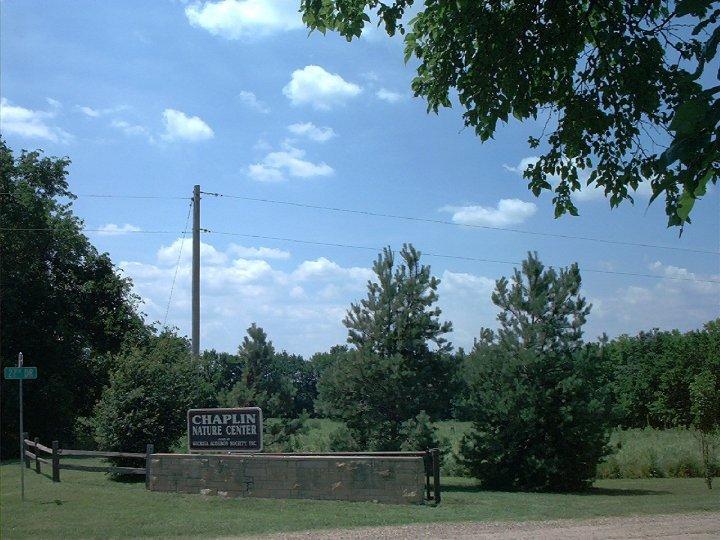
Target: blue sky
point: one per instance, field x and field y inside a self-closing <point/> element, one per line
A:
<point x="150" y="98"/>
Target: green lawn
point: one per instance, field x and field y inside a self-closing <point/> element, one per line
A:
<point x="90" y="505"/>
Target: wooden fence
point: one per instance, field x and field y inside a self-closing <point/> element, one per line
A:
<point x="55" y="454"/>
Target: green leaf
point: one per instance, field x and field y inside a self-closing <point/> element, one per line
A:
<point x="688" y="114"/>
<point x="685" y="205"/>
<point x="692" y="7"/>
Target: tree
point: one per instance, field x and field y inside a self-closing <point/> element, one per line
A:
<point x="705" y="395"/>
<point x="401" y="363"/>
<point x="263" y="381"/>
<point x="626" y="87"/>
<point x="151" y="388"/>
<point x="399" y="318"/>
<point x="652" y="374"/>
<point x="538" y="403"/>
<point x="63" y="304"/>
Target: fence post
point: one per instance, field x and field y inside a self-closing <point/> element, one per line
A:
<point x="56" y="461"/>
<point x="427" y="461"/>
<point x="37" y="454"/>
<point x="149" y="449"/>
<point x="436" y="473"/>
<point x="24" y="449"/>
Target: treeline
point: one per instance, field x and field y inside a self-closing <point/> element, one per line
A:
<point x="542" y="400"/>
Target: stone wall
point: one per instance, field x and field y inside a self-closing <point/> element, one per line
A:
<point x="349" y="478"/>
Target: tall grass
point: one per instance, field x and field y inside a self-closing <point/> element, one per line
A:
<point x="654" y="453"/>
<point x="637" y="453"/>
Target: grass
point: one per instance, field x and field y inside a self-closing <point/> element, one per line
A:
<point x="654" y="453"/>
<point x="89" y="505"/>
<point x="639" y="453"/>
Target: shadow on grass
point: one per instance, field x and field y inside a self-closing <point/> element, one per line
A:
<point x="612" y="492"/>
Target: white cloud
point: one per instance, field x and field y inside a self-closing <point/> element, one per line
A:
<point x="54" y="103"/>
<point x="250" y="100"/>
<point x="263" y="173"/>
<point x="301" y="307"/>
<point x="235" y="19"/>
<point x="276" y="166"/>
<point x="665" y="304"/>
<point x="388" y="95"/>
<point x="507" y="212"/>
<point x="314" y="86"/>
<point x="111" y="229"/>
<point x="258" y="252"/>
<point x="29" y="123"/>
<point x="179" y="126"/>
<point x="208" y="253"/>
<point x="89" y="111"/>
<point x="131" y="129"/>
<point x="313" y="132"/>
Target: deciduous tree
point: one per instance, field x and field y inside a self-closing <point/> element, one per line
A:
<point x="627" y="89"/>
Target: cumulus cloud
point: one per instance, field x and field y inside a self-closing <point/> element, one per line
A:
<point x="96" y="113"/>
<point x="130" y="129"/>
<point x="250" y="100"/>
<point x="314" y="86"/>
<point x="277" y="166"/>
<point x="236" y="19"/>
<point x="258" y="252"/>
<point x="388" y="95"/>
<point x="111" y="229"/>
<point x="181" y="127"/>
<point x="312" y="132"/>
<point x="30" y="124"/>
<point x="667" y="303"/>
<point x="301" y="307"/>
<point x="506" y="212"/>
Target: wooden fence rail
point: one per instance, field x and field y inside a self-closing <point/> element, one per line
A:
<point x="56" y="453"/>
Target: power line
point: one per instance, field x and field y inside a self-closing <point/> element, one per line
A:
<point x="407" y="218"/>
<point x="116" y="196"/>
<point x="177" y="264"/>
<point x="376" y="249"/>
<point x="467" y="225"/>
<point x="99" y="196"/>
<point x="83" y="229"/>
<point x="455" y="257"/>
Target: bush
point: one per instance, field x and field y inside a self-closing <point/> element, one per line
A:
<point x="151" y="389"/>
<point x="341" y="440"/>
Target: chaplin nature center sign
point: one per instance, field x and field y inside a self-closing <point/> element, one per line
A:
<point x="225" y="430"/>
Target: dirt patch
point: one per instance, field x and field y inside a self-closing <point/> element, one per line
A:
<point x="697" y="526"/>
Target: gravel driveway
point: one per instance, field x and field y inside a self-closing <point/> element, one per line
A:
<point x="697" y="526"/>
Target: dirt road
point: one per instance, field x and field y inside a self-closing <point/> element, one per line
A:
<point x="696" y="526"/>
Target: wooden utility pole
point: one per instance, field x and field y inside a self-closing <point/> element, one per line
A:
<point x="196" y="273"/>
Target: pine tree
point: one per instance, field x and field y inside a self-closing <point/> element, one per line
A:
<point x="539" y="409"/>
<point x="401" y="365"/>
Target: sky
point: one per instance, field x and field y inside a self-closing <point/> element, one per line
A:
<point x="150" y="98"/>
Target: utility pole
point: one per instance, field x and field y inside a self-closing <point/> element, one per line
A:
<point x="196" y="273"/>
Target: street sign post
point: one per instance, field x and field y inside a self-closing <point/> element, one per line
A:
<point x="19" y="374"/>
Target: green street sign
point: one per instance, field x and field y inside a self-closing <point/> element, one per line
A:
<point x="21" y="373"/>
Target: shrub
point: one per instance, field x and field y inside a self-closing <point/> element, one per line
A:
<point x="151" y="388"/>
<point x="341" y="440"/>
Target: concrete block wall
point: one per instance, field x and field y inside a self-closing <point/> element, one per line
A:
<point x="399" y="480"/>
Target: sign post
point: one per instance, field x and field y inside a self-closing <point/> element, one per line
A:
<point x="21" y="373"/>
<point x="225" y="430"/>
